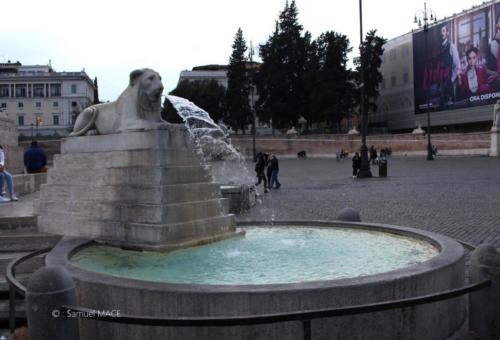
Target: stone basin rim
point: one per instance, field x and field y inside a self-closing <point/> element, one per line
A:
<point x="450" y="252"/>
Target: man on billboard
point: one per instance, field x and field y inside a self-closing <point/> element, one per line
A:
<point x="450" y="59"/>
<point x="474" y="79"/>
<point x="494" y="44"/>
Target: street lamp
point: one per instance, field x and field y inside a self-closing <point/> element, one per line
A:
<point x="364" y="170"/>
<point x="252" y="102"/>
<point x="426" y="15"/>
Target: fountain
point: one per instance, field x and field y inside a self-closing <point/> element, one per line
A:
<point x="142" y="187"/>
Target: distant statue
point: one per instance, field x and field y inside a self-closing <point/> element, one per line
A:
<point x="496" y="115"/>
<point x="418" y="130"/>
<point x="292" y="132"/>
<point x="137" y="108"/>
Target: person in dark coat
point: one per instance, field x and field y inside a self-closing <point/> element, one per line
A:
<point x="35" y="159"/>
<point x="274" y="165"/>
<point x="260" y="169"/>
<point x="356" y="164"/>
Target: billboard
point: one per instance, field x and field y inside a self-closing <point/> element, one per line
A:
<point x="456" y="63"/>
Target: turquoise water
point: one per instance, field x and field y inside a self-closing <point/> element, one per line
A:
<point x="264" y="256"/>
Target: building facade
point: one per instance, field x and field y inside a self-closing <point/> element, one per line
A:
<point x="426" y="71"/>
<point x="41" y="101"/>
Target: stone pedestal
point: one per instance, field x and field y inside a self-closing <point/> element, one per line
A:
<point x="8" y="140"/>
<point x="144" y="189"/>
<point x="495" y="142"/>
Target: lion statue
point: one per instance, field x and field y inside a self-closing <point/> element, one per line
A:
<point x="137" y="108"/>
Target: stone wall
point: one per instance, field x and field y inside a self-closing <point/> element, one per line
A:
<point x="328" y="145"/>
<point x="8" y="140"/>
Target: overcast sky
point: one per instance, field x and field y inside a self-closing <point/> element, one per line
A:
<point x="111" y="38"/>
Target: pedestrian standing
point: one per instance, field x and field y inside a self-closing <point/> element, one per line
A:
<point x="275" y="169"/>
<point x="7" y="177"/>
<point x="356" y="164"/>
<point x="260" y="168"/>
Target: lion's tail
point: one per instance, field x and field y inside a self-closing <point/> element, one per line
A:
<point x="87" y="119"/>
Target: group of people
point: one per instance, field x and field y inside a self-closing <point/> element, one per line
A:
<point x="35" y="161"/>
<point x="267" y="169"/>
<point x="374" y="157"/>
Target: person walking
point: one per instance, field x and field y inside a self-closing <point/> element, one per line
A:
<point x="35" y="159"/>
<point x="7" y="177"/>
<point x="356" y="164"/>
<point x="269" y="170"/>
<point x="260" y="168"/>
<point x="275" y="169"/>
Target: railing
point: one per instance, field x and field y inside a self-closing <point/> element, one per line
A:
<point x="15" y="286"/>
<point x="305" y="317"/>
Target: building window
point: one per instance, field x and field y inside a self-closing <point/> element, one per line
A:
<point x="3" y="105"/>
<point x="38" y="90"/>
<point x="393" y="81"/>
<point x="392" y="55"/>
<point x="21" y="91"/>
<point x="4" y="91"/>
<point x="55" y="104"/>
<point x="405" y="78"/>
<point x="20" y="120"/>
<point x="20" y="105"/>
<point x="55" y="90"/>
<point x="38" y="105"/>
<point x="73" y="88"/>
<point x="55" y="120"/>
<point x="405" y="51"/>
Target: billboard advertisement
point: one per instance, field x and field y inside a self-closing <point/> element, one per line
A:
<point x="457" y="62"/>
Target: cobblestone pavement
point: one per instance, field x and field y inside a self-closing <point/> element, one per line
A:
<point x="455" y="196"/>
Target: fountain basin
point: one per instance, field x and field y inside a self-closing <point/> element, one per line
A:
<point x="140" y="297"/>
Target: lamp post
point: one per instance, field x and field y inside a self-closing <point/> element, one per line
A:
<point x="426" y="15"/>
<point x="252" y="103"/>
<point x="364" y="170"/>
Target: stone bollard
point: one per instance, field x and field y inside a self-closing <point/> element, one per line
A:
<point x="484" y="305"/>
<point x="48" y="289"/>
<point x="349" y="215"/>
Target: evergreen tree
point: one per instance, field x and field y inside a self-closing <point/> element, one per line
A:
<point x="238" y="113"/>
<point x="371" y="56"/>
<point x="333" y="94"/>
<point x="281" y="84"/>
<point x="206" y="94"/>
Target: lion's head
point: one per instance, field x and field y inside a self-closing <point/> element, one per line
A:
<point x="150" y="89"/>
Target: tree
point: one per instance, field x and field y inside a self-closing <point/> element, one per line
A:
<point x="281" y="79"/>
<point x="371" y="56"/>
<point x="238" y="113"/>
<point x="207" y="94"/>
<point x="332" y="94"/>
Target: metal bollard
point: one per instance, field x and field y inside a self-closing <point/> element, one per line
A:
<point x="48" y="289"/>
<point x="484" y="305"/>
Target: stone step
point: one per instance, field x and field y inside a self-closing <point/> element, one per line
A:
<point x="26" y="241"/>
<point x="129" y="176"/>
<point x="134" y="213"/>
<point x="173" y="193"/>
<point x="149" y="157"/>
<point x="28" y="266"/>
<point x="25" y="223"/>
<point x="135" y="232"/>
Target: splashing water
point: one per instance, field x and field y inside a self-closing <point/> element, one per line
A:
<point x="227" y="163"/>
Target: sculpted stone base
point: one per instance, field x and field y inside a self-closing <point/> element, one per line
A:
<point x="141" y="189"/>
<point x="495" y="142"/>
